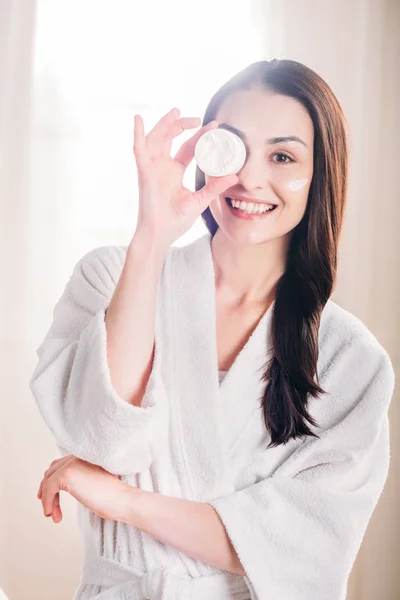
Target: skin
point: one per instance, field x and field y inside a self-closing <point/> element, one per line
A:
<point x="249" y="258"/>
<point x="193" y="528"/>
<point x="250" y="255"/>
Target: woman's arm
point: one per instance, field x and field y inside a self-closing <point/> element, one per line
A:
<point x="130" y="318"/>
<point x="90" y="414"/>
<point x="193" y="528"/>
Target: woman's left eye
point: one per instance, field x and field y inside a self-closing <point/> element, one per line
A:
<point x="285" y="156"/>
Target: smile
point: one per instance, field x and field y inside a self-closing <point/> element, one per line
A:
<point x="249" y="210"/>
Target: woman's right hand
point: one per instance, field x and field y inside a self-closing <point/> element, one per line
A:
<point x="166" y="208"/>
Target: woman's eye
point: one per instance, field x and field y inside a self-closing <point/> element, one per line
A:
<point x="286" y="158"/>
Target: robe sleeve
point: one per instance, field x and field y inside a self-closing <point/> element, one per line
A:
<point x="298" y="532"/>
<point x="71" y="382"/>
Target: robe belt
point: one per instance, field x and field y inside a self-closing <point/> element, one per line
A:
<point x="127" y="583"/>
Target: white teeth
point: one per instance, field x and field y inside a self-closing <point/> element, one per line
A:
<point x="251" y="207"/>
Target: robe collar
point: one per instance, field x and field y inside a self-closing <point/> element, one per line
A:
<point x="213" y="416"/>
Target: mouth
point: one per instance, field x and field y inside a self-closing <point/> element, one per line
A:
<point x="250" y="214"/>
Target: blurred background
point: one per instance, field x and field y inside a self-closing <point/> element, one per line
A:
<point x="73" y="73"/>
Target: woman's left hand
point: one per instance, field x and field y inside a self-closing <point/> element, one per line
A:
<point x="100" y="491"/>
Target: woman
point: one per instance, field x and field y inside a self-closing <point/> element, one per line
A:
<point x="262" y="486"/>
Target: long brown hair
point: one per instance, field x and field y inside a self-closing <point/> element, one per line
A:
<point x="310" y="273"/>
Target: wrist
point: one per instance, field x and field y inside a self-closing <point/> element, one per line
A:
<point x="129" y="503"/>
<point x="148" y="244"/>
<point x="145" y="256"/>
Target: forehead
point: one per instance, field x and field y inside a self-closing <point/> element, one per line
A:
<point x="262" y="114"/>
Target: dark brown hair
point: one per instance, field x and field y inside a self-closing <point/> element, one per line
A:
<point x="310" y="273"/>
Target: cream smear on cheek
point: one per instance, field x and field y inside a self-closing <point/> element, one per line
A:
<point x="297" y="184"/>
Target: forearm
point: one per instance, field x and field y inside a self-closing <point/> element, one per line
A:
<point x="193" y="528"/>
<point x="130" y="319"/>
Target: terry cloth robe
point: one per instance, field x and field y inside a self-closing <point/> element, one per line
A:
<point x="296" y="514"/>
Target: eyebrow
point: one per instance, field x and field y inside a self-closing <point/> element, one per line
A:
<point x="274" y="140"/>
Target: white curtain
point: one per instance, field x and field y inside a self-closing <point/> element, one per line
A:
<point x="17" y="30"/>
<point x="72" y="75"/>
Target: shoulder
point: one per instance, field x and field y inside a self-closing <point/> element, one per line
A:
<point x="97" y="271"/>
<point x="350" y="350"/>
<point x="103" y="258"/>
<point x="346" y="329"/>
<point x="101" y="266"/>
<point x="109" y="258"/>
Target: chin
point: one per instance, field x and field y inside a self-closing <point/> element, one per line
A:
<point x="246" y="236"/>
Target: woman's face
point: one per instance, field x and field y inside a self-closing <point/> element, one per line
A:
<point x="276" y="171"/>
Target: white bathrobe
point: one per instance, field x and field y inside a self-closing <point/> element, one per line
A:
<point x="296" y="514"/>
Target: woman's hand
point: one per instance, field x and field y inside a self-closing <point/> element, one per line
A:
<point x="100" y="491"/>
<point x="166" y="208"/>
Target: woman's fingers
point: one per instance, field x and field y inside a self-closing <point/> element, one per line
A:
<point x="216" y="186"/>
<point x="185" y="123"/>
<point x="39" y="494"/>
<point x="50" y="489"/>
<point x="161" y="128"/>
<point x="179" y="127"/>
<point x="156" y="138"/>
<point x="54" y="466"/>
<point x="161" y="145"/>
<point x="58" y="464"/>
<point x="139" y="143"/>
<point x="158" y="141"/>
<point x="185" y="153"/>
<point x="56" y="512"/>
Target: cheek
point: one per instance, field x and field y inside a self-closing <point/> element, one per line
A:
<point x="293" y="189"/>
<point x="296" y="194"/>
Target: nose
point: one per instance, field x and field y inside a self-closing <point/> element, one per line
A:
<point x="255" y="172"/>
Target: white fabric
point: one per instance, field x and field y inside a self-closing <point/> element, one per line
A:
<point x="296" y="514"/>
<point x="221" y="375"/>
<point x="122" y="581"/>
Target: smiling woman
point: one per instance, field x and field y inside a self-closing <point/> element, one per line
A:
<point x="285" y="114"/>
<point x="260" y="485"/>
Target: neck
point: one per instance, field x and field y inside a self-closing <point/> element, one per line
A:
<point x="247" y="275"/>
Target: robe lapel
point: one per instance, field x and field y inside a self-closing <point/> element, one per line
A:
<point x="212" y="418"/>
